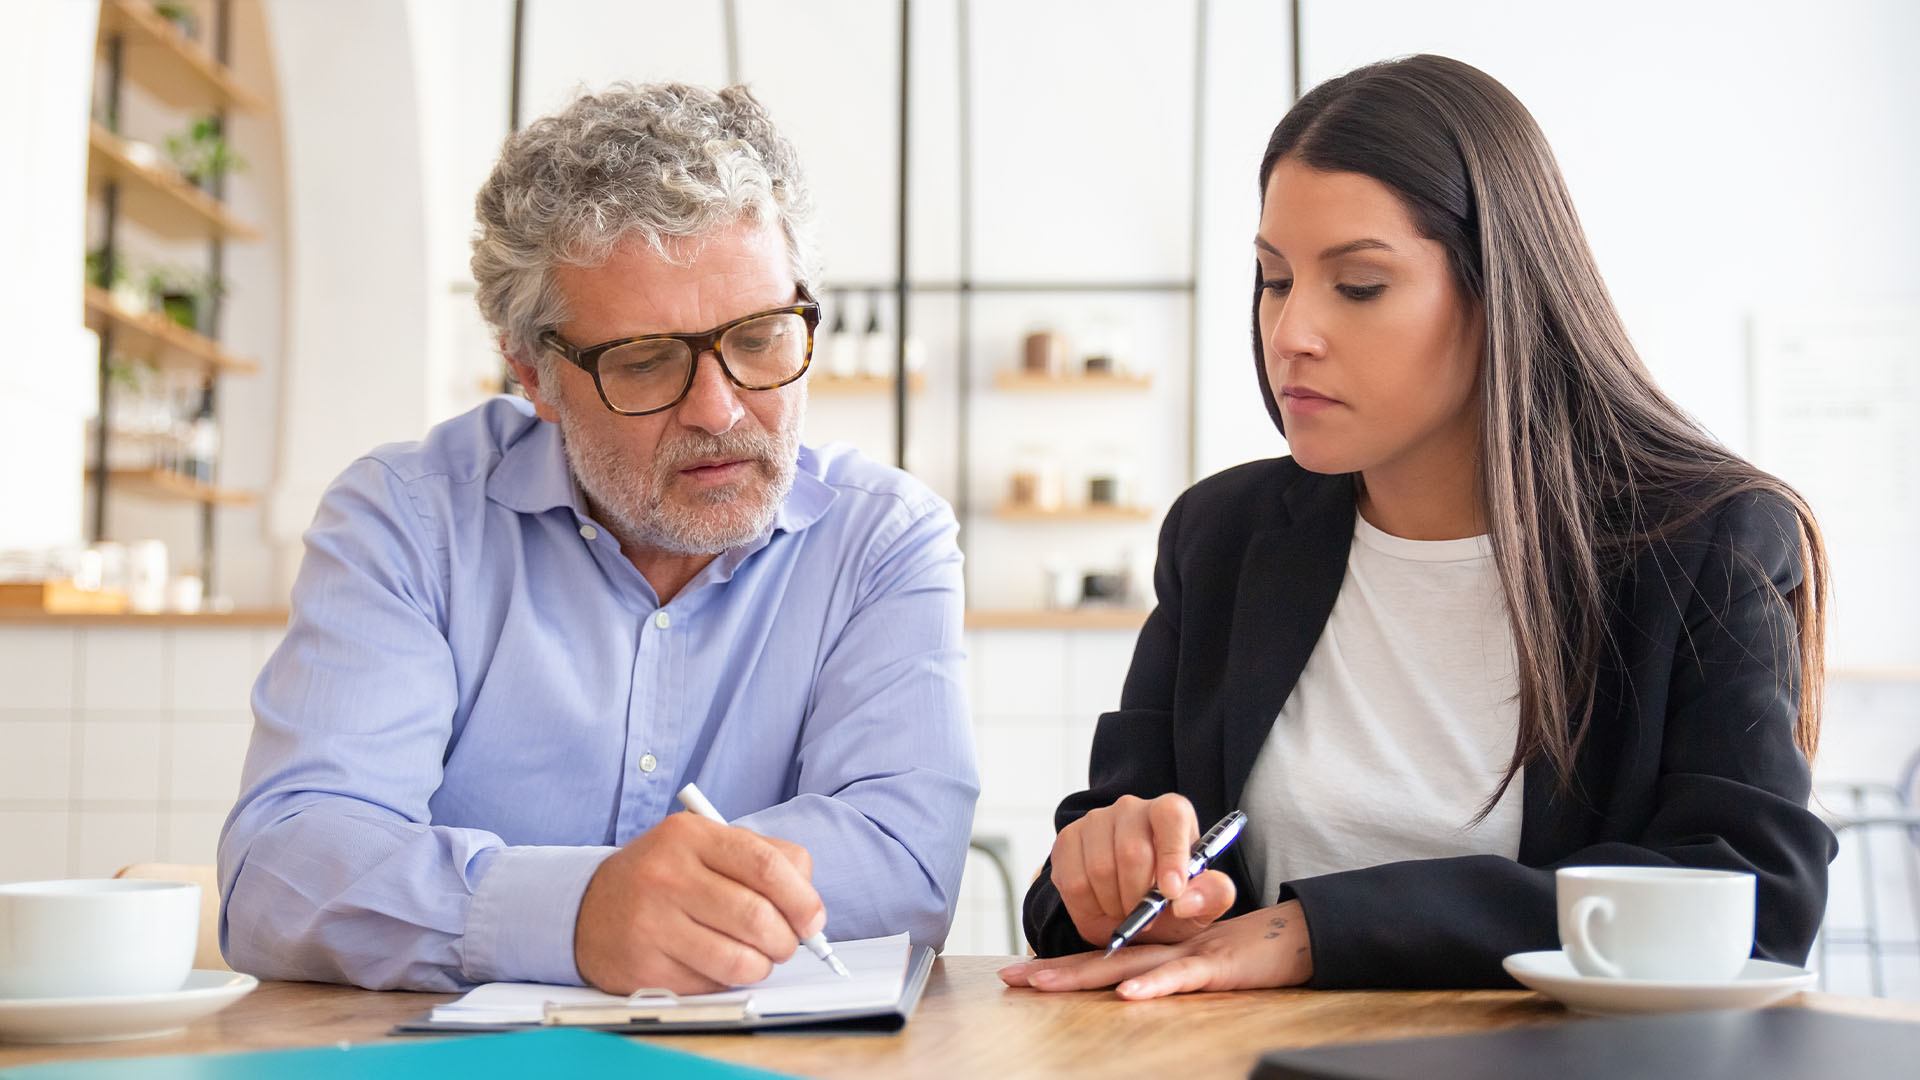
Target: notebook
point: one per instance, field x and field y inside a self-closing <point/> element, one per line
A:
<point x="888" y="975"/>
<point x="1750" y="1044"/>
<point x="548" y="1052"/>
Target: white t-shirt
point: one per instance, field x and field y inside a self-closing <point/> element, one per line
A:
<point x="1401" y="725"/>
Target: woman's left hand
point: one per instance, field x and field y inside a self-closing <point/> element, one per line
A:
<point x="1266" y="948"/>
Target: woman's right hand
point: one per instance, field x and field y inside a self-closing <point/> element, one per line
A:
<point x="1104" y="863"/>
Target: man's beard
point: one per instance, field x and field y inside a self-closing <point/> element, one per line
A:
<point x="637" y="501"/>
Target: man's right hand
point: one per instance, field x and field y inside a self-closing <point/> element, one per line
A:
<point x="694" y="906"/>
<point x="1104" y="863"/>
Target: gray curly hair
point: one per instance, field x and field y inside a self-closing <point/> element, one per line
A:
<point x="660" y="163"/>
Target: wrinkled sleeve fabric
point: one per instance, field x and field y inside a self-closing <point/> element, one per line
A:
<point x="1731" y="795"/>
<point x="1133" y="747"/>
<point x="331" y="868"/>
<point x="886" y="779"/>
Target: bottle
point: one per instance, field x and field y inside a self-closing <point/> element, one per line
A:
<point x="203" y="441"/>
<point x="877" y="345"/>
<point x="842" y="352"/>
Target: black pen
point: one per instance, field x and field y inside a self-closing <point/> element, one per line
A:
<point x="1205" y="850"/>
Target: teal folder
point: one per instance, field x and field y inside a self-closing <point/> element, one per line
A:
<point x="557" y="1052"/>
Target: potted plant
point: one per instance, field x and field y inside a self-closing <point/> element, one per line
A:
<point x="183" y="17"/>
<point x="184" y="296"/>
<point x="202" y="154"/>
<point x="128" y="294"/>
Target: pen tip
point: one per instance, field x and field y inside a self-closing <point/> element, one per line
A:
<point x="1113" y="948"/>
<point x="838" y="967"/>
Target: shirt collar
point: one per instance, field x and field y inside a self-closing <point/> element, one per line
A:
<point x="533" y="478"/>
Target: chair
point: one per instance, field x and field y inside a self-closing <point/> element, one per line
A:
<point x="206" y="956"/>
<point x="1890" y="813"/>
<point x="998" y="851"/>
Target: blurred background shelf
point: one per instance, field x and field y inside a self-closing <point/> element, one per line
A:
<point x="257" y="617"/>
<point x="862" y="384"/>
<point x="1086" y="618"/>
<point x="157" y="339"/>
<point x="156" y="197"/>
<point x="1023" y="381"/>
<point x="163" y="485"/>
<point x="166" y="63"/>
<point x="1012" y="512"/>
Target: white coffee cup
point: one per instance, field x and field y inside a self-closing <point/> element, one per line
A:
<point x="1667" y="924"/>
<point x="91" y="938"/>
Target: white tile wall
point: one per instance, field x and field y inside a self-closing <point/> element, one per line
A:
<point x="214" y="668"/>
<point x="120" y="761"/>
<point x="124" y="668"/>
<point x="33" y="844"/>
<point x="36" y="668"/>
<point x="1020" y="673"/>
<point x="106" y="840"/>
<point x="1021" y="765"/>
<point x="120" y="745"/>
<point x="191" y="836"/>
<point x="205" y="762"/>
<point x="36" y="761"/>
<point x="1096" y="668"/>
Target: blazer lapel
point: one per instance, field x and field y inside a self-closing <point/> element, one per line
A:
<point x="1289" y="579"/>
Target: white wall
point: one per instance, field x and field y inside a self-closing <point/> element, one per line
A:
<point x="354" y="363"/>
<point x="48" y="365"/>
<point x="1727" y="159"/>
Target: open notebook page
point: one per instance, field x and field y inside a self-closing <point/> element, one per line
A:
<point x="801" y="985"/>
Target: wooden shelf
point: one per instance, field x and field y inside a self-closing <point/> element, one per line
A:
<point x="155" y="196"/>
<point x="1025" y="381"/>
<point x="863" y="384"/>
<point x="165" y="63"/>
<point x="1011" y="512"/>
<point x="264" y="617"/>
<point x="155" y="338"/>
<point x="172" y="487"/>
<point x="1086" y="618"/>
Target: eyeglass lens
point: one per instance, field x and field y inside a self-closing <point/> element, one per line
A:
<point x="760" y="353"/>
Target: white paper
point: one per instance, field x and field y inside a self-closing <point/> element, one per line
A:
<point x="802" y="985"/>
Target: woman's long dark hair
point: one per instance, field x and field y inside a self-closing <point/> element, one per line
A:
<point x="1584" y="463"/>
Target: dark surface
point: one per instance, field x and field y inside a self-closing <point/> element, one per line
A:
<point x="1765" y="1044"/>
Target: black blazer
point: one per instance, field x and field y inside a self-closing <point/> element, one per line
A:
<point x="1689" y="759"/>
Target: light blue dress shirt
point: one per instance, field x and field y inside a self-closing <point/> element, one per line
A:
<point x="479" y="698"/>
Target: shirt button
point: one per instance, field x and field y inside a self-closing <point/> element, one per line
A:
<point x="588" y="532"/>
<point x="662" y="620"/>
<point x="648" y="763"/>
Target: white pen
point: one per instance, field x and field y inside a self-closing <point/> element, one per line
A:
<point x="692" y="799"/>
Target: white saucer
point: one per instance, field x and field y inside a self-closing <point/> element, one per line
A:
<point x="1761" y="982"/>
<point x="131" y="1016"/>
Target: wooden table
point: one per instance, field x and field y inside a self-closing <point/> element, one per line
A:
<point x="968" y="1026"/>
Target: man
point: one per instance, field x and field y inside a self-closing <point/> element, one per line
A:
<point x="512" y="643"/>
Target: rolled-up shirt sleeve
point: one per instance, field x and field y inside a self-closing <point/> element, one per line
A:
<point x="331" y="867"/>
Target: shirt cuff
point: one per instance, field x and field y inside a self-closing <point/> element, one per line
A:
<point x="520" y="925"/>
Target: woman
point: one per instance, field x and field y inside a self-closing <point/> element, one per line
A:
<point x="1505" y="609"/>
